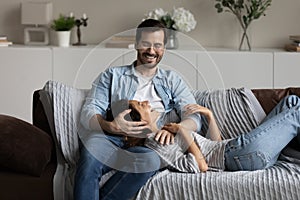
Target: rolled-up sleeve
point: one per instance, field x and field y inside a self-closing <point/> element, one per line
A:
<point x="97" y="100"/>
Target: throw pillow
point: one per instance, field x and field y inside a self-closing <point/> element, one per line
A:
<point x="231" y="108"/>
<point x="23" y="147"/>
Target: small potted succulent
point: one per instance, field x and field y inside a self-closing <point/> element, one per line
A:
<point x="62" y="26"/>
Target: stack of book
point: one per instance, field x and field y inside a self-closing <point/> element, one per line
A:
<point x="121" y="41"/>
<point x="4" y="42"/>
<point x="295" y="44"/>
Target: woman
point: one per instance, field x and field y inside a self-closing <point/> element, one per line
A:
<point x="255" y="150"/>
<point x="258" y="149"/>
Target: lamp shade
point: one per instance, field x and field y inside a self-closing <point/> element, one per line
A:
<point x="36" y="13"/>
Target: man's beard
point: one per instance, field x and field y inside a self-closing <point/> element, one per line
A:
<point x="143" y="56"/>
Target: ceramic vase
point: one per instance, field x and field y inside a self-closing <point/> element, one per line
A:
<point x="63" y="38"/>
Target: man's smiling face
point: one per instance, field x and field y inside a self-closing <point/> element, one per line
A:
<point x="150" y="48"/>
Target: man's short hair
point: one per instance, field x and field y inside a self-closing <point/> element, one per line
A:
<point x="150" y="25"/>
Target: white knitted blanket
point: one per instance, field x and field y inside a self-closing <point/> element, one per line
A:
<point x="280" y="182"/>
<point x="67" y="102"/>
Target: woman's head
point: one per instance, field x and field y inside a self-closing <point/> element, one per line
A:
<point x="140" y="110"/>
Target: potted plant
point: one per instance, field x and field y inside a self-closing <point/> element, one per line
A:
<point x="62" y="26"/>
<point x="245" y="11"/>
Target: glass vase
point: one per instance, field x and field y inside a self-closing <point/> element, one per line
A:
<point x="172" y="42"/>
<point x="245" y="44"/>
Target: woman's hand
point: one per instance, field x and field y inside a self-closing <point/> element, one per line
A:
<point x="189" y="140"/>
<point x="196" y="108"/>
<point x="166" y="134"/>
<point x="171" y="127"/>
<point x="213" y="130"/>
<point x="164" y="137"/>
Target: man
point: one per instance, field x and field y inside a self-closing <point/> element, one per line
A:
<point x="102" y="152"/>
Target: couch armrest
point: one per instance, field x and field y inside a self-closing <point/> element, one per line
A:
<point x="268" y="98"/>
<point x="40" y="117"/>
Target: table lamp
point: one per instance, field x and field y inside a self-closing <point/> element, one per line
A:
<point x="36" y="16"/>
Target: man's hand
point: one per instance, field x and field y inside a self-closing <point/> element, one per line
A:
<point x="129" y="128"/>
<point x="164" y="137"/>
<point x="120" y="126"/>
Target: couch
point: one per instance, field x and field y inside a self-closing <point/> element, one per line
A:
<point x="29" y="158"/>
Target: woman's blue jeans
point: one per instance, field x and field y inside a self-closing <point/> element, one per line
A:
<point x="100" y="154"/>
<point x="260" y="148"/>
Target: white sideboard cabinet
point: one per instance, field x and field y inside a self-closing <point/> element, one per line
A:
<point x="286" y="69"/>
<point x="79" y="66"/>
<point x="225" y="69"/>
<point x="22" y="70"/>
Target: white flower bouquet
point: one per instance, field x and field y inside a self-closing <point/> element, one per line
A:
<point x="180" y="19"/>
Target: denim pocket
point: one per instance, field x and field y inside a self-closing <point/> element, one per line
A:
<point x="251" y="161"/>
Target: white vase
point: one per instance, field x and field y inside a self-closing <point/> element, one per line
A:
<point x="63" y="38"/>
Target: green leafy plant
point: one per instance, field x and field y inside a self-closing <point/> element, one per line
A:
<point x="168" y="21"/>
<point x="63" y="23"/>
<point x="245" y="11"/>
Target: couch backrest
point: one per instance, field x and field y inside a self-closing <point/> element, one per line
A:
<point x="268" y="99"/>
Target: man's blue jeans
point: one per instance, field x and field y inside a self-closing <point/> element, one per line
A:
<point x="261" y="147"/>
<point x="100" y="154"/>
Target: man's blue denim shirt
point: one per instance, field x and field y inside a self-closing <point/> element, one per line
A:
<point x="117" y="83"/>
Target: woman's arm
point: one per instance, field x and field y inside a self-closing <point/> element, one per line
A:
<point x="213" y="130"/>
<point x="189" y="140"/>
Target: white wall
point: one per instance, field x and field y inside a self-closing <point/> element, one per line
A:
<point x="108" y="17"/>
